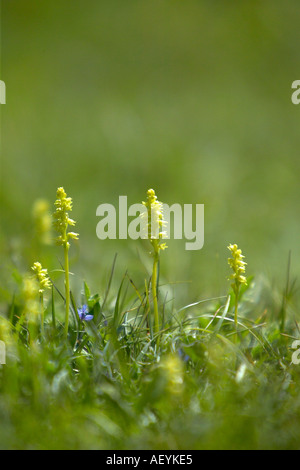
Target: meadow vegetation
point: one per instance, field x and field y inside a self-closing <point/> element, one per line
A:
<point x="123" y="368"/>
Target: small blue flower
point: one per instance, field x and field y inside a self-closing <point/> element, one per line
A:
<point x="83" y="313"/>
<point x="183" y="356"/>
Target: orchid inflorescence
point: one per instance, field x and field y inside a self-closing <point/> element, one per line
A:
<point x="155" y="225"/>
<point x="61" y="218"/>
<point x="61" y="222"/>
<point x="42" y="277"/>
<point x="238" y="266"/>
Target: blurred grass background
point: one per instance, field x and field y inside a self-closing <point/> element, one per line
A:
<point x="192" y="98"/>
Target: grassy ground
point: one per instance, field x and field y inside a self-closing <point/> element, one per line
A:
<point x="194" y="99"/>
<point x="204" y="379"/>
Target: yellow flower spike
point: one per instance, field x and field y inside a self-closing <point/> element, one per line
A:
<point x="41" y="276"/>
<point x="155" y="223"/>
<point x="61" y="218"/>
<point x="61" y="222"/>
<point x="238" y="266"/>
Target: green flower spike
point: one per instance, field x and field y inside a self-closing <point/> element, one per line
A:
<point x="238" y="266"/>
<point x="61" y="218"/>
<point x="61" y="222"/>
<point x="41" y="276"/>
<point x="44" y="282"/>
<point x="155" y="235"/>
<point x="155" y="221"/>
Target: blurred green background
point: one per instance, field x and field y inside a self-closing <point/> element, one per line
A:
<point x="192" y="98"/>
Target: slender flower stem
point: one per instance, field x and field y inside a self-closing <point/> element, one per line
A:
<point x="67" y="287"/>
<point x="154" y="294"/>
<point x="236" y="306"/>
<point x="42" y="314"/>
<point x="53" y="310"/>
